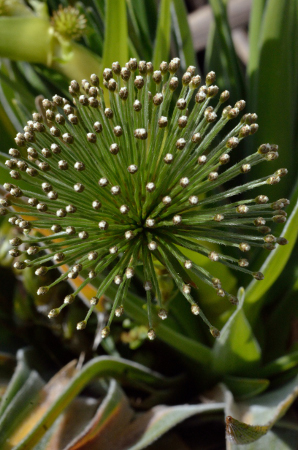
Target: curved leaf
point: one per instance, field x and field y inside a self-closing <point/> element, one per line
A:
<point x="236" y="349"/>
<point x="101" y="366"/>
<point x="160" y="419"/>
<point x="262" y="413"/>
<point x="274" y="264"/>
<point x="243" y="388"/>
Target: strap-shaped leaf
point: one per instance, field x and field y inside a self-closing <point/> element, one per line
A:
<point x="162" y="42"/>
<point x="221" y="55"/>
<point x="243" y="388"/>
<point x="273" y="86"/>
<point x="182" y="34"/>
<point x="237" y="348"/>
<point x="98" y="367"/>
<point x="274" y="264"/>
<point x="116" y="35"/>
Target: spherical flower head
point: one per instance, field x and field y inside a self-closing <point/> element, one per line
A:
<point x="68" y="23"/>
<point x="129" y="183"/>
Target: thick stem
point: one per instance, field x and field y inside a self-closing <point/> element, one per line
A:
<point x="31" y="39"/>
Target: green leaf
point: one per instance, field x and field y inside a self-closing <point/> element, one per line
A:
<point x="262" y="412"/>
<point x="101" y="366"/>
<point x="283" y="309"/>
<point x="282" y="364"/>
<point x="255" y="25"/>
<point x="273" y="87"/>
<point x="236" y="349"/>
<point x="19" y="399"/>
<point x="19" y="377"/>
<point x="163" y="34"/>
<point x="138" y="26"/>
<point x="182" y="34"/>
<point x="221" y="49"/>
<point x="274" y="264"/>
<point x="7" y="130"/>
<point x="25" y="39"/>
<point x="243" y="388"/>
<point x="162" y="418"/>
<point x="116" y="35"/>
<point x="283" y="439"/>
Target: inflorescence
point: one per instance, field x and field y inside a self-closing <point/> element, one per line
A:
<point x="68" y="23"/>
<point x="128" y="183"/>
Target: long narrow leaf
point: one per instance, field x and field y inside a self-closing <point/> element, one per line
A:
<point x="236" y="349"/>
<point x="255" y="25"/>
<point x="223" y="44"/>
<point x="274" y="264"/>
<point x="273" y="87"/>
<point x="162" y="42"/>
<point x="116" y="35"/>
<point x="183" y="35"/>
<point x="101" y="366"/>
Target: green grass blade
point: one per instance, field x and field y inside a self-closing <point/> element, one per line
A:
<point x="163" y="34"/>
<point x="183" y="35"/>
<point x="116" y="34"/>
<point x="255" y="25"/>
<point x="221" y="55"/>
<point x="138" y="26"/>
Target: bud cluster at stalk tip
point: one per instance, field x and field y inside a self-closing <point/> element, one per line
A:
<point x="113" y="186"/>
<point x="68" y="23"/>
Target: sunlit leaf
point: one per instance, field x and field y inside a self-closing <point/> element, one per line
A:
<point x="115" y="42"/>
<point x="282" y="364"/>
<point x="255" y="25"/>
<point x="162" y="42"/>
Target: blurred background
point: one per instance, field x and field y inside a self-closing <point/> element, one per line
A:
<point x="252" y="45"/>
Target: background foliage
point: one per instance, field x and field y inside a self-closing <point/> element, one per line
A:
<point x="256" y="358"/>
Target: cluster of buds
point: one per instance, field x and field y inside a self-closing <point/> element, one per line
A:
<point x="114" y="186"/>
<point x="68" y="23"/>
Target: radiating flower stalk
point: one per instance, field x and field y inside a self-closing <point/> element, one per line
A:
<point x="123" y="185"/>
